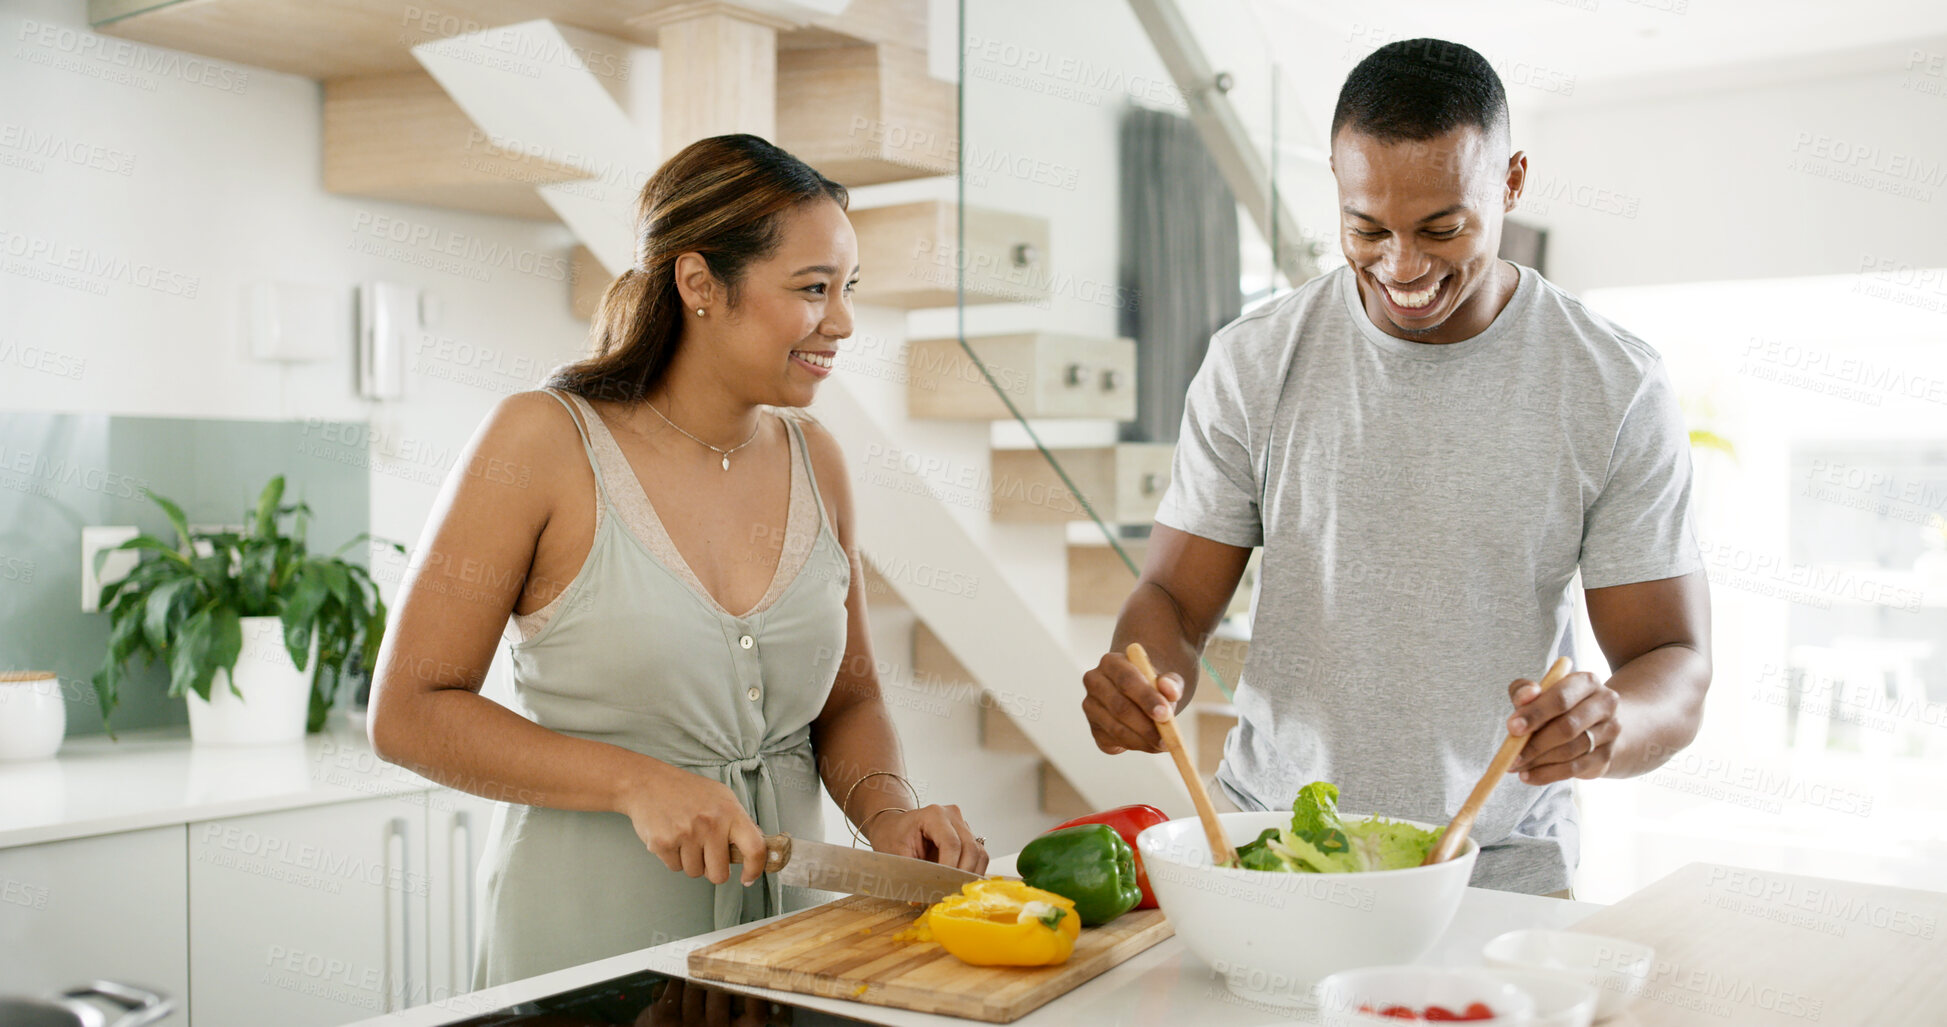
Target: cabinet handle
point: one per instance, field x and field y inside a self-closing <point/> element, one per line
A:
<point x="463" y="826"/>
<point x="396" y="828"/>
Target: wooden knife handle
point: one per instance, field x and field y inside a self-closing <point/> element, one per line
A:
<point x="777" y="852"/>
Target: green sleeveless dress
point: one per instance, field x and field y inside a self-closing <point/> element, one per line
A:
<point x="636" y="653"/>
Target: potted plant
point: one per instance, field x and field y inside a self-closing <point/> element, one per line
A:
<point x="239" y="617"/>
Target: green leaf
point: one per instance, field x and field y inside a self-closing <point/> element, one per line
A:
<point x="365" y="536"/>
<point x="148" y="542"/>
<point x="162" y="610"/>
<point x="226" y="641"/>
<point x="175" y="515"/>
<point x="189" y="667"/>
<point x="256" y="577"/>
<point x="267" y="501"/>
<point x="106" y="694"/>
<point x="297" y="641"/>
<point x="1703" y="439"/>
<point x="337" y="581"/>
<point x="1315" y="817"/>
<point x="374" y="634"/>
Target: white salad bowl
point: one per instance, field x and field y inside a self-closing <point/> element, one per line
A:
<point x="1273" y="936"/>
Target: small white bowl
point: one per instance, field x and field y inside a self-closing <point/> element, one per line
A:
<point x="1616" y="968"/>
<point x="1341" y="995"/>
<point x="1273" y="936"/>
<point x="1560" y="1001"/>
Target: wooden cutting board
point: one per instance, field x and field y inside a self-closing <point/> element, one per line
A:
<point x="844" y="949"/>
<point x="1752" y="947"/>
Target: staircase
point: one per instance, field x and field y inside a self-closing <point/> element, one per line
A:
<point x="558" y="109"/>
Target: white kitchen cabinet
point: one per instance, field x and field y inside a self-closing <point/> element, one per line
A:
<point x="315" y="915"/>
<point x="109" y="907"/>
<point x="456" y="833"/>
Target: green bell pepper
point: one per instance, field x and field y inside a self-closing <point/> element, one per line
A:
<point x="1089" y="863"/>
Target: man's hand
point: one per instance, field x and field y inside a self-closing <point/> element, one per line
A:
<point x="1123" y="707"/>
<point x="1574" y="728"/>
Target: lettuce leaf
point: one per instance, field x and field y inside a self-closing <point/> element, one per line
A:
<point x="1319" y="841"/>
<point x="1302" y="856"/>
<point x="1379" y="844"/>
<point x="1315" y="817"/>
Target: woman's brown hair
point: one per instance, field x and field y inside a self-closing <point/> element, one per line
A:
<point x="724" y="198"/>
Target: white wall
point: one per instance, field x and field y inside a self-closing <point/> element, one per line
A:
<point x="1655" y="182"/>
<point x="152" y="186"/>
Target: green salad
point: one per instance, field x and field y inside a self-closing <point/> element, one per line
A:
<point x="1318" y="842"/>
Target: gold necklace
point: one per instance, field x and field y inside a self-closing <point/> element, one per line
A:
<point x="715" y="449"/>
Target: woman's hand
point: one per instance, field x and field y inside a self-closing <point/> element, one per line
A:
<point x="689" y="822"/>
<point x="938" y="834"/>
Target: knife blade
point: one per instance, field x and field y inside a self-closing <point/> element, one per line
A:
<point x="810" y="864"/>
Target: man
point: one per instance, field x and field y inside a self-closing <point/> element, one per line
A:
<point x="1428" y="444"/>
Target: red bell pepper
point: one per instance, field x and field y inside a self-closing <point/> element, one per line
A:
<point x="1128" y="821"/>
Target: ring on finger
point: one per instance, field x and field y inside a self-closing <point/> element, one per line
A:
<point x="1591" y="738"/>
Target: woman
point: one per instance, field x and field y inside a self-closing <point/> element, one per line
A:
<point x="669" y="548"/>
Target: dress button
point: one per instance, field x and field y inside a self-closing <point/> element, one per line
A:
<point x="746" y="641"/>
<point x="753" y="694"/>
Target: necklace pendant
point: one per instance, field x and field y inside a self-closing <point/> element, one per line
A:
<point x="726" y="462"/>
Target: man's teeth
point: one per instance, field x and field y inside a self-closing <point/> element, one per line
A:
<point x="1410" y="300"/>
<point x="823" y="360"/>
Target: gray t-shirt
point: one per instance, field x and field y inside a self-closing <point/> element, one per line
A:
<point x="1423" y="509"/>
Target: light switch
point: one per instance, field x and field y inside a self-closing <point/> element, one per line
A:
<point x="293" y="323"/>
<point x="114" y="568"/>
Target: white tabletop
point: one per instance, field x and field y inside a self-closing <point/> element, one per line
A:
<point x="1164" y="985"/>
<point x="154" y="778"/>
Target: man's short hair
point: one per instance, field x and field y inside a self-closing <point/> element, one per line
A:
<point x="1415" y="89"/>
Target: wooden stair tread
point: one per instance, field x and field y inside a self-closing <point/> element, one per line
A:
<point x="1044" y="374"/>
<point x="370" y="37"/>
<point x="400" y="137"/>
<point x="1123" y="483"/>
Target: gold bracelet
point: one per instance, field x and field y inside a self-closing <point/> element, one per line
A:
<point x="858" y="833"/>
<point x="845" y="804"/>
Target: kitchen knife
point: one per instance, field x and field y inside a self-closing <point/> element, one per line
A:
<point x="808" y="864"/>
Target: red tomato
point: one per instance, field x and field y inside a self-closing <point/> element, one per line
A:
<point x="1128" y="821"/>
<point x="1399" y="1013"/>
<point x="1477" y="1011"/>
<point x="1442" y="1013"/>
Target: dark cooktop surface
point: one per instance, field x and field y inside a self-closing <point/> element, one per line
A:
<point x="644" y="999"/>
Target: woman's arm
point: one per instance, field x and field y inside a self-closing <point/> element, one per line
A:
<point x="471" y="568"/>
<point x="853" y="736"/>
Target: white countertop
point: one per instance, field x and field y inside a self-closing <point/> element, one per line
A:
<point x="156" y="778"/>
<point x="1164" y="986"/>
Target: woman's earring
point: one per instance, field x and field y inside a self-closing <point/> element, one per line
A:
<point x="699" y="312"/>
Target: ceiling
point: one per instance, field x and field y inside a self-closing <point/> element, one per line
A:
<point x="1558" y="53"/>
<point x="1602" y="40"/>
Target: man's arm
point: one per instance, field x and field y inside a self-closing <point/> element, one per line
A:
<point x="1186" y="585"/>
<point x="1656" y="634"/>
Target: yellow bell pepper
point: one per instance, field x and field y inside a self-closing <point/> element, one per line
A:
<point x="998" y="922"/>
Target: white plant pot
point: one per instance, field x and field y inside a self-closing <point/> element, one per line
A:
<point x="276" y="694"/>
